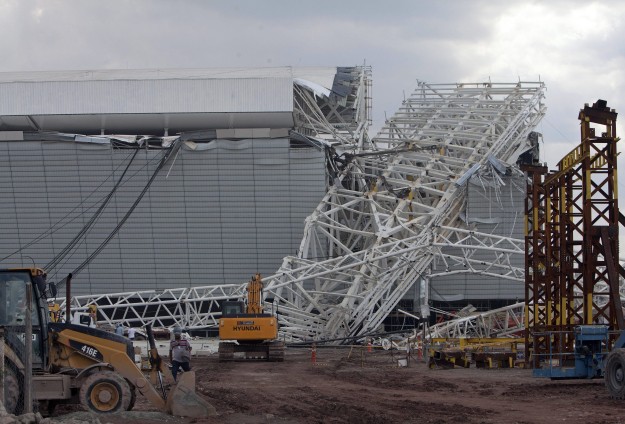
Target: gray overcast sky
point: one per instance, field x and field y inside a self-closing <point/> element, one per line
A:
<point x="574" y="46"/>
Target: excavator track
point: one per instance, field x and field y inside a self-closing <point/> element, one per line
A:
<point x="270" y="351"/>
<point x="226" y="352"/>
<point x="276" y="351"/>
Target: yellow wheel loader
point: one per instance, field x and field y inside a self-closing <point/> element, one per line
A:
<point x="246" y="332"/>
<point x="77" y="364"/>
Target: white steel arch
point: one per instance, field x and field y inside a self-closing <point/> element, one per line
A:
<point x="394" y="206"/>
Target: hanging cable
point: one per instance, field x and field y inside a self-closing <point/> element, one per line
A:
<point x="175" y="146"/>
<point x="56" y="226"/>
<point x="85" y="229"/>
<point x="69" y="256"/>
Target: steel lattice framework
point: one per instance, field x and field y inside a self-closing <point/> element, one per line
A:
<point x="376" y="233"/>
<point x="573" y="268"/>
<point x="502" y="322"/>
<point x="393" y="208"/>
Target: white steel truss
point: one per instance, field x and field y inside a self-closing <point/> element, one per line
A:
<point x="502" y="322"/>
<point x="340" y="119"/>
<point x="394" y="208"/>
<point x="507" y="321"/>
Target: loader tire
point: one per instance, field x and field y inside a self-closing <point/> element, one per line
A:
<point x="13" y="390"/>
<point x="615" y="374"/>
<point x="133" y="398"/>
<point x="105" y="392"/>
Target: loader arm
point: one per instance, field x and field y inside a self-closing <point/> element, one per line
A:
<point x="77" y="346"/>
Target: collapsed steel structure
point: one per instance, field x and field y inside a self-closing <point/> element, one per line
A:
<point x="392" y="209"/>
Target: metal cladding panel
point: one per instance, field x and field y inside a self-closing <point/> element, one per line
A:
<point x="146" y="96"/>
<point x="497" y="210"/>
<point x="177" y="73"/>
<point x="216" y="214"/>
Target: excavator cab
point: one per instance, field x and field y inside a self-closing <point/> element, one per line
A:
<point x="232" y="308"/>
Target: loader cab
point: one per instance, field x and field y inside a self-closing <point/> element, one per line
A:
<point x="232" y="309"/>
<point x="13" y="283"/>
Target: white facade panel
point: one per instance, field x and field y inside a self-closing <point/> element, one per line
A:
<point x="146" y="96"/>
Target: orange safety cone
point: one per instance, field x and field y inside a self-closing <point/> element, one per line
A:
<point x="313" y="354"/>
<point x="369" y="347"/>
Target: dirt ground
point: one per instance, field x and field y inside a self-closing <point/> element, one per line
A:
<point x="369" y="388"/>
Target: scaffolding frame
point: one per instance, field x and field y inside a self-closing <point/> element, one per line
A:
<point x="572" y="226"/>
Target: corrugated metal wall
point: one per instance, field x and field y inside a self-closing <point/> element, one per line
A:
<point x="213" y="215"/>
<point x="497" y="210"/>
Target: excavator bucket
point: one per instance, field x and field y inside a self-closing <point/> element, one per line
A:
<point x="183" y="401"/>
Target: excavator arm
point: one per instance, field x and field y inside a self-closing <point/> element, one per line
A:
<point x="255" y="295"/>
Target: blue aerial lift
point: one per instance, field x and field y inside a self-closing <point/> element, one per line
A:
<point x="590" y="359"/>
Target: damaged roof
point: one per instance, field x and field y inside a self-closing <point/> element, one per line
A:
<point x="156" y="101"/>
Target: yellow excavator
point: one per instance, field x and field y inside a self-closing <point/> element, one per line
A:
<point x="74" y="363"/>
<point x="245" y="331"/>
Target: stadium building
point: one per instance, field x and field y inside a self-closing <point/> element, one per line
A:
<point x="85" y="185"/>
<point x="165" y="179"/>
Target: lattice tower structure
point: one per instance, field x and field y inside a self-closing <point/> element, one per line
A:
<point x="572" y="216"/>
<point x="393" y="209"/>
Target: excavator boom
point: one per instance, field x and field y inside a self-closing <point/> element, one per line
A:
<point x="254" y="295"/>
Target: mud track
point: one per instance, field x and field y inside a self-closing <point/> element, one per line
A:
<point x="370" y="388"/>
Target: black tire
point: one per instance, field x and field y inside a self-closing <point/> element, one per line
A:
<point x="615" y="374"/>
<point x="133" y="397"/>
<point x="13" y="390"/>
<point x="105" y="392"/>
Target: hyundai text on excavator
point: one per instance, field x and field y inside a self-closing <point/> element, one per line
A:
<point x="74" y="363"/>
<point x="245" y="331"/>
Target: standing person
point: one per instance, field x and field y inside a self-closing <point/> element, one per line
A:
<point x="176" y="330"/>
<point x="93" y="314"/>
<point x="119" y="330"/>
<point x="179" y="354"/>
<point x="131" y="334"/>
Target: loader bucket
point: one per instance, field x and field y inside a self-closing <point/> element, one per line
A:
<point x="184" y="402"/>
